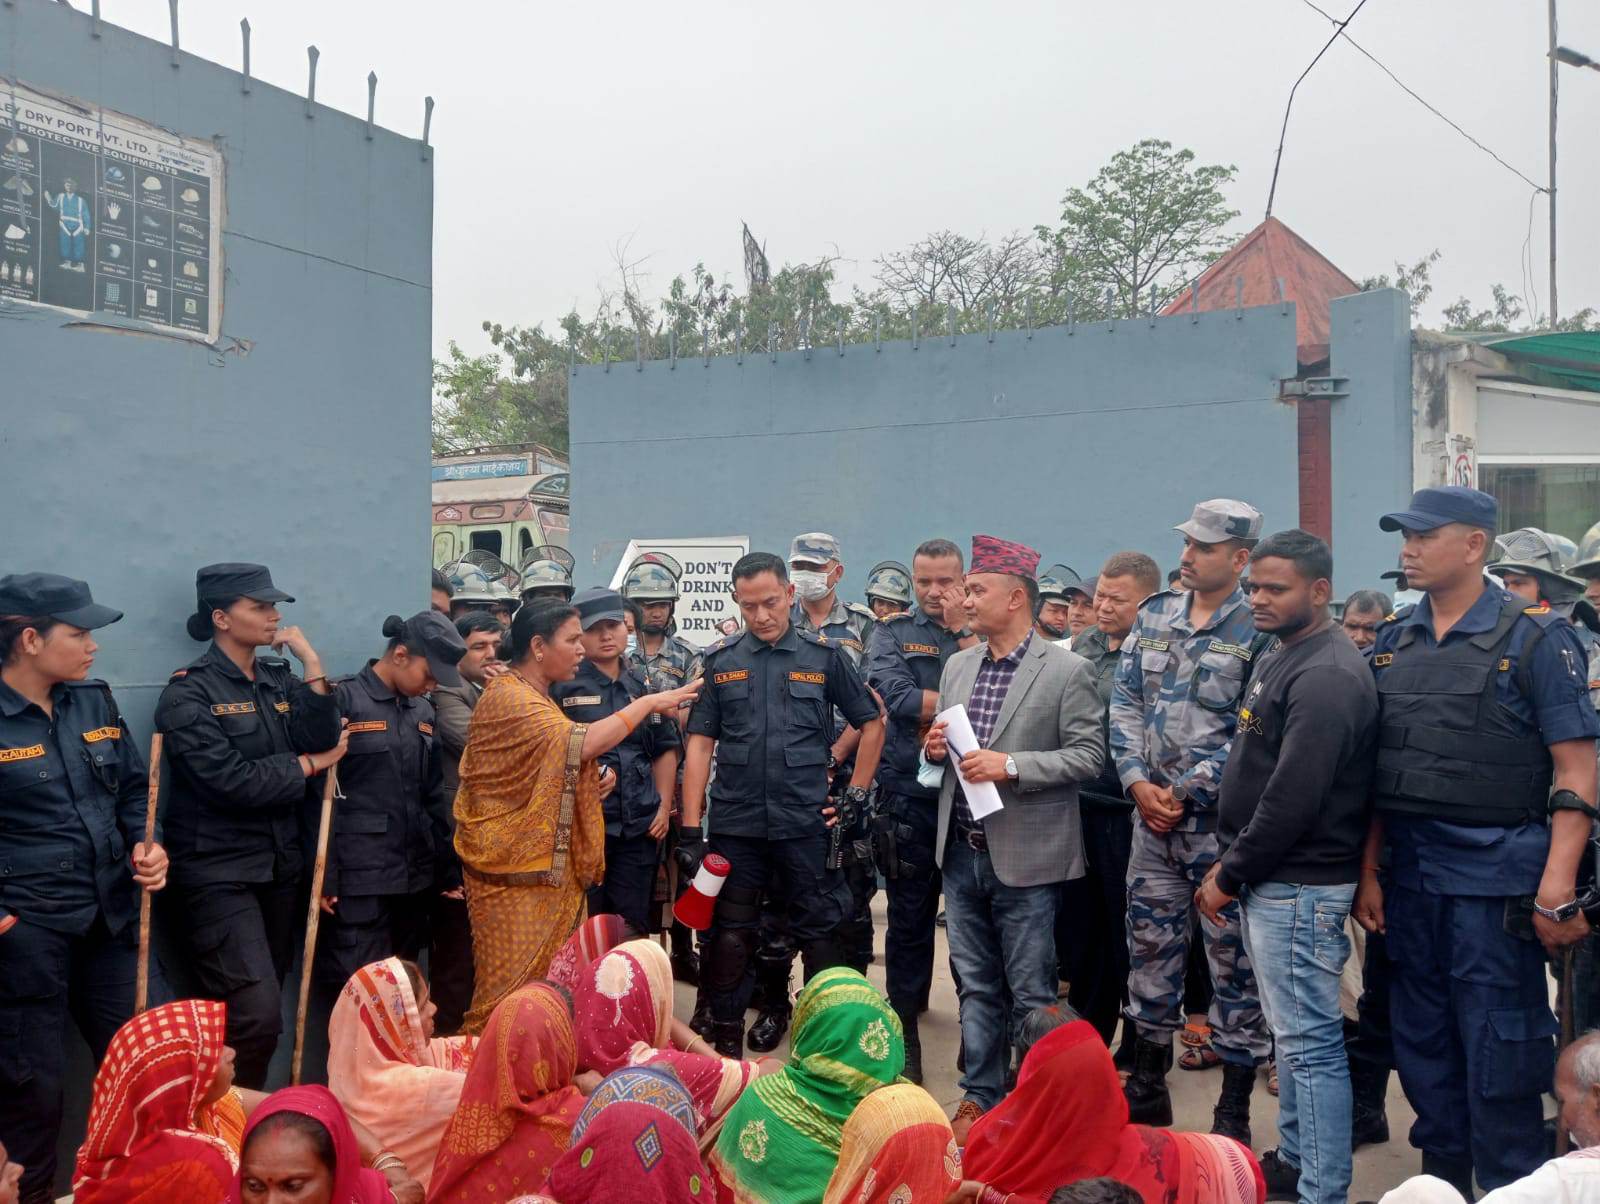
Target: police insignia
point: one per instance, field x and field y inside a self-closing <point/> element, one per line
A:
<point x="1536" y="610"/>
<point x="30" y="753"/>
<point x="816" y="679"/>
<point x="730" y="675"/>
<point x="1238" y="650"/>
<point x="102" y="733"/>
<point x="233" y="708"/>
<point x="1153" y="644"/>
<point x="581" y="700"/>
<point x="1382" y="659"/>
<point x="922" y="649"/>
<point x="849" y="643"/>
<point x="281" y="707"/>
<point x="1505" y="663"/>
<point x="368" y="725"/>
<point x="425" y="728"/>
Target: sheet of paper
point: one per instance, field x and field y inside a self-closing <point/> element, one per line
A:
<point x="982" y="797"/>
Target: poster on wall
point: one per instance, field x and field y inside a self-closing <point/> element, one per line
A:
<point x="101" y="213"/>
<point x="705" y="592"/>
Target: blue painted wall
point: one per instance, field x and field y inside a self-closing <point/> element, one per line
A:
<point x="300" y="441"/>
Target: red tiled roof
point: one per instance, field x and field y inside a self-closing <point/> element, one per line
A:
<point x="1269" y="253"/>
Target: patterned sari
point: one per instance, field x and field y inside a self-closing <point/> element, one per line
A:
<point x="782" y="1138"/>
<point x="388" y="1076"/>
<point x="530" y="834"/>
<point x="633" y="1153"/>
<point x="897" y="1149"/>
<point x="518" y="1107"/>
<point x="623" y="1005"/>
<point x="595" y="937"/>
<point x="150" y="1141"/>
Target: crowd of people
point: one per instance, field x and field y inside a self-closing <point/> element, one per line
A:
<point x="1225" y="813"/>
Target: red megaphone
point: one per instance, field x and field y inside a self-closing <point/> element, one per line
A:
<point x="693" y="908"/>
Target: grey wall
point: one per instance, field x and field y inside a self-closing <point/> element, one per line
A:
<point x="1079" y="442"/>
<point x="300" y="441"/>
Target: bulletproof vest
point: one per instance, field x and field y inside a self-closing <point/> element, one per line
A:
<point x="1447" y="749"/>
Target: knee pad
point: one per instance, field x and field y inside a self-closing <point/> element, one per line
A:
<point x="731" y="950"/>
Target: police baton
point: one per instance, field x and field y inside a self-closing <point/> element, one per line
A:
<point x="141" y="982"/>
<point x="1563" y="1137"/>
<point x="330" y="788"/>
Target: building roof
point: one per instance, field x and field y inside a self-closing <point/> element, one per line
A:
<point x="1567" y="359"/>
<point x="1270" y="253"/>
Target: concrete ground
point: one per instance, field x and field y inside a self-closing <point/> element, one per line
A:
<point x="1377" y="1168"/>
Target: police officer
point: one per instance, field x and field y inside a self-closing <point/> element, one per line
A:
<point x="1174" y="705"/>
<point x="905" y="655"/>
<point x="72" y="857"/>
<point x="243" y="734"/>
<point x="888" y="589"/>
<point x="390" y="854"/>
<point x="1587" y="564"/>
<point x="473" y="588"/>
<point x="547" y="574"/>
<point x="1485" y="791"/>
<point x="1050" y="617"/>
<point x="768" y="703"/>
<point x="639" y="775"/>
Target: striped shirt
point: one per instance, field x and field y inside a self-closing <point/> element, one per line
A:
<point x="989" y="690"/>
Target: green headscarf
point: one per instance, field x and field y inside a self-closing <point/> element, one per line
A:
<point x="780" y="1142"/>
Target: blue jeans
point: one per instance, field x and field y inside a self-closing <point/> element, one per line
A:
<point x="1296" y="940"/>
<point x="1001" y="937"/>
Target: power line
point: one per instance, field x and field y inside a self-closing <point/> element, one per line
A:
<point x="1277" y="161"/>
<point x="1412" y="93"/>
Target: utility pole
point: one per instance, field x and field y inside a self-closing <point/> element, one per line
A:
<point x="1555" y="68"/>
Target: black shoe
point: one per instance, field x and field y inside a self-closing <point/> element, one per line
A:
<point x="728" y="1039"/>
<point x="1457" y="1172"/>
<point x="1149" y="1102"/>
<point x="1368" y="1128"/>
<point x="938" y="920"/>
<point x="1231" y="1118"/>
<point x="1122" y="1058"/>
<point x="913" y="1070"/>
<point x="686" y="967"/>
<point x="766" y="1034"/>
<point x="1283" y="1180"/>
<point x="701" y="1021"/>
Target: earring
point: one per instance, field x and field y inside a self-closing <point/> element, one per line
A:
<point x="538" y="656"/>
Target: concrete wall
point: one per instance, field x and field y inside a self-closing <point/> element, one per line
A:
<point x="300" y="440"/>
<point x="1080" y="442"/>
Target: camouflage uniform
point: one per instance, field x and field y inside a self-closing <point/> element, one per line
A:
<point x="674" y="664"/>
<point x="1173" y="710"/>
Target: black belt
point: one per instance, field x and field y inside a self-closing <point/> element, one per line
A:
<point x="974" y="838"/>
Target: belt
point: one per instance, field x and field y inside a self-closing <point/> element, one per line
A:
<point x="974" y="839"/>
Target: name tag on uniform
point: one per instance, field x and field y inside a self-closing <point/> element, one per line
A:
<point x="1505" y="664"/>
<point x="581" y="700"/>
<point x="672" y="669"/>
<point x="1152" y="644"/>
<point x="849" y="643"/>
<point x="233" y="708"/>
<point x="1382" y="659"/>
<point x="816" y="679"/>
<point x="102" y="733"/>
<point x="21" y="754"/>
<point x="425" y="728"/>
<point x="924" y="649"/>
<point x="731" y="675"/>
<point x="1238" y="650"/>
<point x="281" y="707"/>
<point x="368" y="725"/>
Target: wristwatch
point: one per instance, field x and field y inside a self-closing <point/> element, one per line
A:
<point x="1558" y="915"/>
<point x="1570" y="800"/>
<point x="1011" y="768"/>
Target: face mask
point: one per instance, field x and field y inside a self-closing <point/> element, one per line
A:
<point x="633" y="644"/>
<point x="810" y="586"/>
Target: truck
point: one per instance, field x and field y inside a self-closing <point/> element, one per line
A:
<point x="506" y="500"/>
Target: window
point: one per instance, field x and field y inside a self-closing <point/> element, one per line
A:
<point x="1562" y="499"/>
<point x="489" y="541"/>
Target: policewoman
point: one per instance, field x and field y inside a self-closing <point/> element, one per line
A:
<point x="389" y="854"/>
<point x="638" y="775"/>
<point x="1485" y="792"/>
<point x="72" y="858"/>
<point x="768" y="707"/>
<point x="243" y="734"/>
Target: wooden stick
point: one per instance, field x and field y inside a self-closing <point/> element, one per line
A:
<point x="141" y="983"/>
<point x="1563" y="1137"/>
<point x="313" y="914"/>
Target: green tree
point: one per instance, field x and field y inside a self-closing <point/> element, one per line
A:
<point x="475" y="404"/>
<point x="1416" y="280"/>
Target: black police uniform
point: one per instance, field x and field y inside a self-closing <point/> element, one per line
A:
<point x="905" y="655"/>
<point x="233" y="821"/>
<point x="72" y="807"/>
<point x="1462" y="784"/>
<point x="633" y="856"/>
<point x="770" y="708"/>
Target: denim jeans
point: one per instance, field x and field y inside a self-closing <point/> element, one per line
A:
<point x="1001" y="937"/>
<point x="1296" y="940"/>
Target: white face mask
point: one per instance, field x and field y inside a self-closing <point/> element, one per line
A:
<point x="633" y="644"/>
<point x="810" y="586"/>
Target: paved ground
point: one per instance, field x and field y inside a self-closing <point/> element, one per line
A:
<point x="1377" y="1168"/>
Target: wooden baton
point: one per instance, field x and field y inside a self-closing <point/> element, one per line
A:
<point x="141" y="982"/>
<point x="313" y="915"/>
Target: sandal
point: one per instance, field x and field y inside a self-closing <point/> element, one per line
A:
<point x="1200" y="1057"/>
<point x="1272" y="1078"/>
<point x="1195" y="1035"/>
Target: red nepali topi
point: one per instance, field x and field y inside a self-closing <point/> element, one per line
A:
<point x="991" y="555"/>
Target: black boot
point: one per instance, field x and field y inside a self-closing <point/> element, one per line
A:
<point x="686" y="967"/>
<point x="1369" y="1123"/>
<point x="772" y="1022"/>
<point x="908" y="1022"/>
<point x="1283" y="1180"/>
<point x="767" y="1033"/>
<point x="727" y="1038"/>
<point x="1232" y="1115"/>
<point x="701" y="1021"/>
<point x="1122" y="1059"/>
<point x="1457" y="1172"/>
<point x="1149" y="1102"/>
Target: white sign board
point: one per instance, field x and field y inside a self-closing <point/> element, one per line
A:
<point x="705" y="594"/>
<point x="103" y="213"/>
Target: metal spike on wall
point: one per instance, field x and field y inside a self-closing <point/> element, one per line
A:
<point x="638" y="351"/>
<point x="989" y="319"/>
<point x="1111" y="308"/>
<point x="950" y="321"/>
<point x="372" y="100"/>
<point x="94" y="18"/>
<point x="172" y="9"/>
<point x="312" y="54"/>
<point x="1238" y="296"/>
<point x="672" y="349"/>
<point x="738" y="340"/>
<point x="877" y="331"/>
<point x="244" y="35"/>
<point x="427" y="124"/>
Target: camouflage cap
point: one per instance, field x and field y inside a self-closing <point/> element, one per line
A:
<point x="814" y="547"/>
<point x="890" y="580"/>
<point x="1058" y="580"/>
<point x="1222" y="519"/>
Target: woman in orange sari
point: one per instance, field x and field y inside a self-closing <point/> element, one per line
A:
<point x="528" y="823"/>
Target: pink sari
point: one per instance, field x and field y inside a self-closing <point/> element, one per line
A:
<point x="595" y="937"/>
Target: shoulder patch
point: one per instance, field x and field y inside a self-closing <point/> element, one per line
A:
<point x="30" y="753"/>
<point x="845" y="641"/>
<point x="368" y="725"/>
<point x="1541" y="609"/>
<point x="233" y="708"/>
<point x="425" y="728"/>
<point x="816" y="679"/>
<point x="1382" y="659"/>
<point x="718" y="679"/>
<point x="726" y="641"/>
<point x="178" y="673"/>
<point x="102" y="733"/>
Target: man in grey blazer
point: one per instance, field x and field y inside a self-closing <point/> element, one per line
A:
<point x="1036" y="713"/>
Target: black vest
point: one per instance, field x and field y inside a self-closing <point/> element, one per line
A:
<point x="1446" y="748"/>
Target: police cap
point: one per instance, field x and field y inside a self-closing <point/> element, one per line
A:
<point x="1441" y="505"/>
<point x="814" y="547"/>
<point x="217" y="581"/>
<point x="49" y="595"/>
<point x="1222" y="519"/>
<point x="436" y="637"/>
<point x="598" y="605"/>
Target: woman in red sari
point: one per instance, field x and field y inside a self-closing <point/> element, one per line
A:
<point x="518" y="1106"/>
<point x="1068" y="1120"/>
<point x="299" y="1144"/>
<point x="595" y="937"/>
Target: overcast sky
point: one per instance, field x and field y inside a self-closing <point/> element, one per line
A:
<point x="567" y="130"/>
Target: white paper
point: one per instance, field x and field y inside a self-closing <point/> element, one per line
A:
<point x="982" y="797"/>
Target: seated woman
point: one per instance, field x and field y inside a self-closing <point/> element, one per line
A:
<point x="299" y="1146"/>
<point x="595" y="937"/>
<point x="518" y="1106"/>
<point x="631" y="1152"/>
<point x="653" y="1085"/>
<point x="897" y="1148"/>
<point x="623" y="1010"/>
<point x="781" y="1140"/>
<point x="388" y="1069"/>
<point x="1067" y="1120"/>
